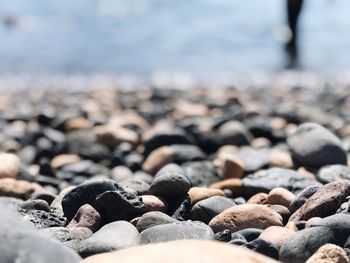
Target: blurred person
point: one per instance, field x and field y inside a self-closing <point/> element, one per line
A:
<point x="294" y="8"/>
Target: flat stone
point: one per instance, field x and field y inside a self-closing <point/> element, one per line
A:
<point x="177" y="231"/>
<point x="191" y="251"/>
<point x="111" y="237"/>
<point x="331" y="173"/>
<point x="151" y="219"/>
<point x="245" y="216"/>
<point x="329" y="253"/>
<point x="208" y="208"/>
<point x="324" y="202"/>
<point x="266" y="180"/>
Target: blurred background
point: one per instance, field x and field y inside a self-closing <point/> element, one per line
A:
<point x="142" y="37"/>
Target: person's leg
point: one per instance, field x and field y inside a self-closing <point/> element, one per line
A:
<point x="293" y="11"/>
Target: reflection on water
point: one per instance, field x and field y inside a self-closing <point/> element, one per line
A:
<point x="142" y="36"/>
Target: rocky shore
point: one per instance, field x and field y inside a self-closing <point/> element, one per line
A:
<point x="169" y="175"/>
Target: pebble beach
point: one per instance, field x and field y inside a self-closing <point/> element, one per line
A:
<point x="162" y="174"/>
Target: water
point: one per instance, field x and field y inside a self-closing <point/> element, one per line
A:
<point x="146" y="36"/>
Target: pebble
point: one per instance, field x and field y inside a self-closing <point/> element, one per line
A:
<point x="111" y="237"/>
<point x="329" y="253"/>
<point x="312" y="145"/>
<point x="154" y="218"/>
<point x="18" y="188"/>
<point x="266" y="180"/>
<point x="199" y="193"/>
<point x="10" y="165"/>
<point x="154" y="203"/>
<point x="280" y="196"/>
<point x="245" y="216"/>
<point x="191" y="251"/>
<point x="86" y="216"/>
<point x="324" y="202"/>
<point x="331" y="173"/>
<point x="208" y="208"/>
<point x="177" y="231"/>
<point x="277" y="235"/>
<point x="169" y="181"/>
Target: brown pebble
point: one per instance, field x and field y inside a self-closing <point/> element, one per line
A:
<point x="18" y="188"/>
<point x="9" y="165"/>
<point x="154" y="203"/>
<point x="200" y="193"/>
<point x="258" y="198"/>
<point x="280" y="196"/>
<point x="276" y="235"/>
<point x="157" y="159"/>
<point x="329" y="253"/>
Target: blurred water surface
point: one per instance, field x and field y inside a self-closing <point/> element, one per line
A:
<point x="144" y="36"/>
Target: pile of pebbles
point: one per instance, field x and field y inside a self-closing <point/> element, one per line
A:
<point x="165" y="175"/>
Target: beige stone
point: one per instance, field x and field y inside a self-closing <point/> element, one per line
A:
<point x="111" y="136"/>
<point x="280" y="196"/>
<point x="77" y="123"/>
<point x="200" y="193"/>
<point x="233" y="184"/>
<point x="233" y="167"/>
<point x="157" y="159"/>
<point x="9" y="165"/>
<point x="18" y="188"/>
<point x="329" y="253"/>
<point x="312" y="221"/>
<point x="184" y="251"/>
<point x="245" y="216"/>
<point x="260" y="142"/>
<point x="63" y="159"/>
<point x="154" y="203"/>
<point x="276" y="235"/>
<point x="258" y="198"/>
<point x="280" y="159"/>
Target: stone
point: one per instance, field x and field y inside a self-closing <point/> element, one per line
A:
<point x="157" y="159"/>
<point x="253" y="159"/>
<point x="121" y="173"/>
<point x="10" y="165"/>
<point x="85" y="193"/>
<point x="312" y="221"/>
<point x="42" y="219"/>
<point x="176" y="231"/>
<point x="303" y="244"/>
<point x="324" y="202"/>
<point x="111" y="237"/>
<point x="244" y="216"/>
<point x="200" y="193"/>
<point x="200" y="173"/>
<point x="62" y="234"/>
<point x="169" y="181"/>
<point x="266" y="180"/>
<point x="24" y="243"/>
<point x="44" y="195"/>
<point x="18" y="188"/>
<point x="277" y="235"/>
<point x="331" y="173"/>
<point x="206" y="209"/>
<point x="234" y="133"/>
<point x="248" y="234"/>
<point x="191" y="251"/>
<point x="119" y="205"/>
<point x="312" y="145"/>
<point x="154" y="218"/>
<point x="233" y="184"/>
<point x="302" y="197"/>
<point x="86" y="216"/>
<point x="112" y="136"/>
<point x="35" y="205"/>
<point x="329" y="253"/>
<point x="140" y="187"/>
<point x="282" y="210"/>
<point x="80" y="233"/>
<point x="259" y="198"/>
<point x="64" y="159"/>
<point x="263" y="247"/>
<point x="187" y="153"/>
<point x="154" y="203"/>
<point x="278" y="158"/>
<point x="233" y="167"/>
<point x="280" y="196"/>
